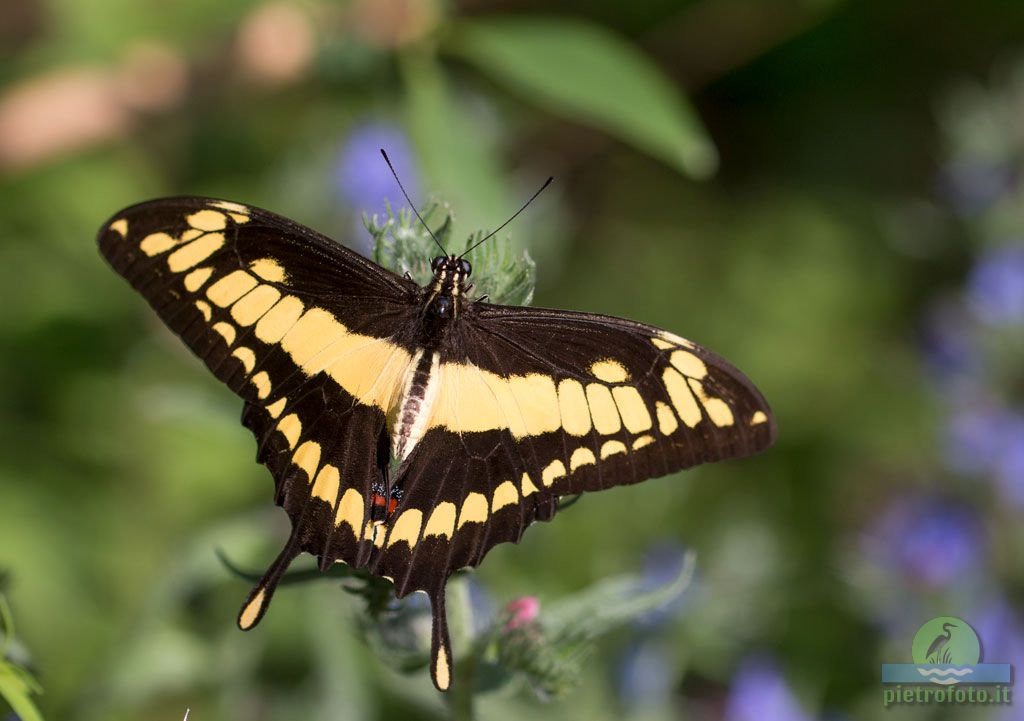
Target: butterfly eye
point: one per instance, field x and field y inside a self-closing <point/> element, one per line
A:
<point x="436" y="263"/>
<point x="465" y="267"/>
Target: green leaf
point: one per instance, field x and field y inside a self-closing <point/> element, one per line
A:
<point x="456" y="154"/>
<point x="16" y="688"/>
<point x="586" y="73"/>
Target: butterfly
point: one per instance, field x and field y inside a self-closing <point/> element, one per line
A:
<point x="410" y="429"/>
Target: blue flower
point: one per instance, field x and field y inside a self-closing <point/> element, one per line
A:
<point x="1001" y="631"/>
<point x="948" y="339"/>
<point x="362" y="177"/>
<point x="1009" y="467"/>
<point x="973" y="186"/>
<point x="975" y="438"/>
<point x="646" y="676"/>
<point x="662" y="565"/>
<point x="926" y="540"/>
<point x="995" y="286"/>
<point x="760" y="693"/>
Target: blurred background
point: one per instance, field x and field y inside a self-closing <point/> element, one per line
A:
<point x="827" y="193"/>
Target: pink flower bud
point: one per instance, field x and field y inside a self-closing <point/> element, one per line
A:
<point x="521" y="611"/>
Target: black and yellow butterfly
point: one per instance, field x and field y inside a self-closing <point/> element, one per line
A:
<point x="409" y="429"/>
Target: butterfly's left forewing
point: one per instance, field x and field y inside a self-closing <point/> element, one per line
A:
<point x="309" y="334"/>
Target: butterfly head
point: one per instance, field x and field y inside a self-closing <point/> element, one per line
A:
<point x="451" y="274"/>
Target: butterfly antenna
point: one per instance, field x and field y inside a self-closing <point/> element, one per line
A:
<point x="409" y="201"/>
<point x="498" y="229"/>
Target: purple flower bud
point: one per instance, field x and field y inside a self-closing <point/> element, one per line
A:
<point x="760" y="693"/>
<point x="995" y="286"/>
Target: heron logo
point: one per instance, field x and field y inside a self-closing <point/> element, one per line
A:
<point x="947" y="641"/>
<point x="947" y="653"/>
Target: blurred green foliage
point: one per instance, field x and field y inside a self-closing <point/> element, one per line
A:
<point x="811" y="258"/>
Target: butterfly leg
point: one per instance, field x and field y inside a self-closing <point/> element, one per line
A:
<point x="259" y="598"/>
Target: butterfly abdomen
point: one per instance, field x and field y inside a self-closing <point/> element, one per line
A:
<point x="415" y="403"/>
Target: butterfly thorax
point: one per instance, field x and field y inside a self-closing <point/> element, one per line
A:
<point x="445" y="296"/>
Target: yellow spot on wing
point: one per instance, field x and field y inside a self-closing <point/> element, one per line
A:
<point x="195" y="252"/>
<point x="326" y="484"/>
<point x="205" y="309"/>
<point x="268" y="269"/>
<point x="277" y="321"/>
<point x="315" y="331"/>
<point x="307" y="457"/>
<point x="156" y="243"/>
<point x="682" y="398"/>
<point x="661" y="343"/>
<point x="275" y="408"/>
<point x="251" y="611"/>
<point x="526" y="485"/>
<point x="632" y="408"/>
<point x="610" y="448"/>
<point x="572" y="404"/>
<point x="291" y="427"/>
<point x="441" y="670"/>
<point x="407" y="528"/>
<point x="197" y="279"/>
<point x="581" y="457"/>
<point x="247" y="357"/>
<point x="350" y="511"/>
<point x="688" y="364"/>
<point x="537" y="400"/>
<point x="758" y="418"/>
<point x="230" y="288"/>
<point x="504" y="495"/>
<point x="230" y="206"/>
<point x="677" y="340"/>
<point x="642" y="441"/>
<point x="602" y="408"/>
<point x="718" y="410"/>
<point x="610" y="371"/>
<point x="667" y="422"/>
<point x="551" y="473"/>
<point x="442" y="520"/>
<point x="254" y="304"/>
<point x="262" y="382"/>
<point x="226" y="330"/>
<point x="471" y="399"/>
<point x="474" y="509"/>
<point x="371" y="369"/>
<point x="207" y="220"/>
<point x="120" y="226"/>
